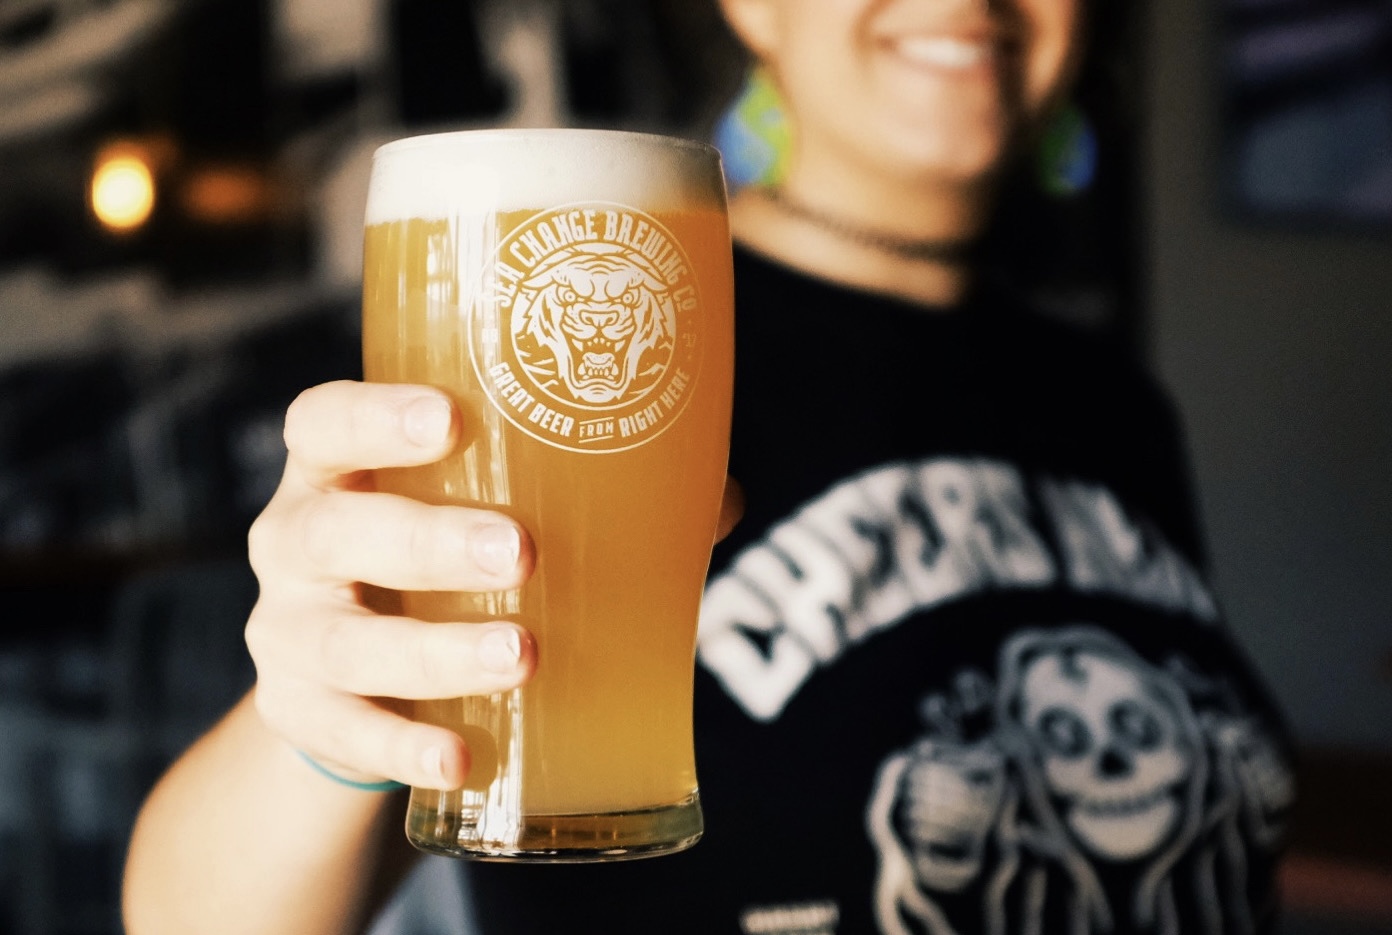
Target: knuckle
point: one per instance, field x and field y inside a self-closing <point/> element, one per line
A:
<point x="351" y="743"/>
<point x="338" y="653"/>
<point x="323" y="522"/>
<point x="429" y="663"/>
<point x="271" y="706"/>
<point x="297" y="415"/>
<point x="257" y="636"/>
<point x="316" y="411"/>
<point x="363" y="422"/>
<point x="426" y="540"/>
<point x="262" y="535"/>
<point x="422" y="540"/>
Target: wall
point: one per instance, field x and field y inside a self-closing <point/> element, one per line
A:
<point x="1278" y="348"/>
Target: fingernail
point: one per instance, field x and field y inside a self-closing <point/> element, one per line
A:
<point x="495" y="548"/>
<point x="427" y="421"/>
<point x="500" y="649"/>
<point x="432" y="761"/>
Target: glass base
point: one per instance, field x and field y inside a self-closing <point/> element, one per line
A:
<point x="560" y="839"/>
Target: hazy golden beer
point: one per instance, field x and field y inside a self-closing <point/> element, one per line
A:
<point x="572" y="290"/>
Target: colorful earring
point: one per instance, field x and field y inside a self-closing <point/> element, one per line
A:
<point x="753" y="134"/>
<point x="1068" y="153"/>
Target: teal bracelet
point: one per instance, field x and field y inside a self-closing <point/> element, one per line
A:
<point x="386" y="785"/>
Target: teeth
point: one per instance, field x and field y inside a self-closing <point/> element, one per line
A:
<point x="1102" y="808"/>
<point x="945" y="52"/>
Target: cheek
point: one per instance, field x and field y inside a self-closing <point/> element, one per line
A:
<point x="820" y="92"/>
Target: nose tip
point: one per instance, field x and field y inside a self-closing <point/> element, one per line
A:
<point x="600" y="314"/>
<point x="1114" y="764"/>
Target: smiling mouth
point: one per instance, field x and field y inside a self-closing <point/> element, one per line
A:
<point x="947" y="52"/>
<point x="1125" y="808"/>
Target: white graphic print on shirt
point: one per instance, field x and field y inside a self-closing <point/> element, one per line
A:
<point x="1094" y="757"/>
<point x="906" y="537"/>
<point x="1075" y="758"/>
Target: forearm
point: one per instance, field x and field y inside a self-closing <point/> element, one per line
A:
<point x="241" y="836"/>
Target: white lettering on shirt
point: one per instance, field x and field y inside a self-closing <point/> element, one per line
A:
<point x="905" y="537"/>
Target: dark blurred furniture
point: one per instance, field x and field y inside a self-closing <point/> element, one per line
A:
<point x="128" y="479"/>
<point x="1338" y="876"/>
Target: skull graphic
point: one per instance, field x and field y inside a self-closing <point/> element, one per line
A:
<point x="1114" y="736"/>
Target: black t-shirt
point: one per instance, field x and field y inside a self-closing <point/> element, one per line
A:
<point x="959" y="669"/>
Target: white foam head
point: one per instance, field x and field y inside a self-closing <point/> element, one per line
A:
<point x="443" y="175"/>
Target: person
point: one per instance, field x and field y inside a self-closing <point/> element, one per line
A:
<point x="959" y="669"/>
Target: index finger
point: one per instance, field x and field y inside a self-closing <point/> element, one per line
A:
<point x="335" y="430"/>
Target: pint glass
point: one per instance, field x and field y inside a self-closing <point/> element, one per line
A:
<point x="571" y="289"/>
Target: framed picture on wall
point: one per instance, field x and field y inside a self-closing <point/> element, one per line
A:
<point x="1308" y="122"/>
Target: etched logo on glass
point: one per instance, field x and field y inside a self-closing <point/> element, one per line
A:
<point x="588" y="338"/>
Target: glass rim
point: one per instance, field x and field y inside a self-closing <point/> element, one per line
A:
<point x="520" y="134"/>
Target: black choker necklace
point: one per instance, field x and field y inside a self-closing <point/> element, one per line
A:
<point x="944" y="251"/>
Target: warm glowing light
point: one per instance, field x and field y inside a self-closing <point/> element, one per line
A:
<point x="123" y="190"/>
<point x="229" y="194"/>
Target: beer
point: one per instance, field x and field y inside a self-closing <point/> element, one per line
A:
<point x="572" y="291"/>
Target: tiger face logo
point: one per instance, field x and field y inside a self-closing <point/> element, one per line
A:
<point x="601" y="321"/>
<point x="589" y="338"/>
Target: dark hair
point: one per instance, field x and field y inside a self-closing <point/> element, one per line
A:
<point x="1080" y="254"/>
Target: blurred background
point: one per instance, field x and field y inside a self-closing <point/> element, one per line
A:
<point x="181" y="194"/>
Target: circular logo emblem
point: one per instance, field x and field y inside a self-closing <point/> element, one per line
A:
<point x="587" y="339"/>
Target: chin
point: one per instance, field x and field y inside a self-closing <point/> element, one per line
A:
<point x="958" y="167"/>
<point x="965" y="154"/>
